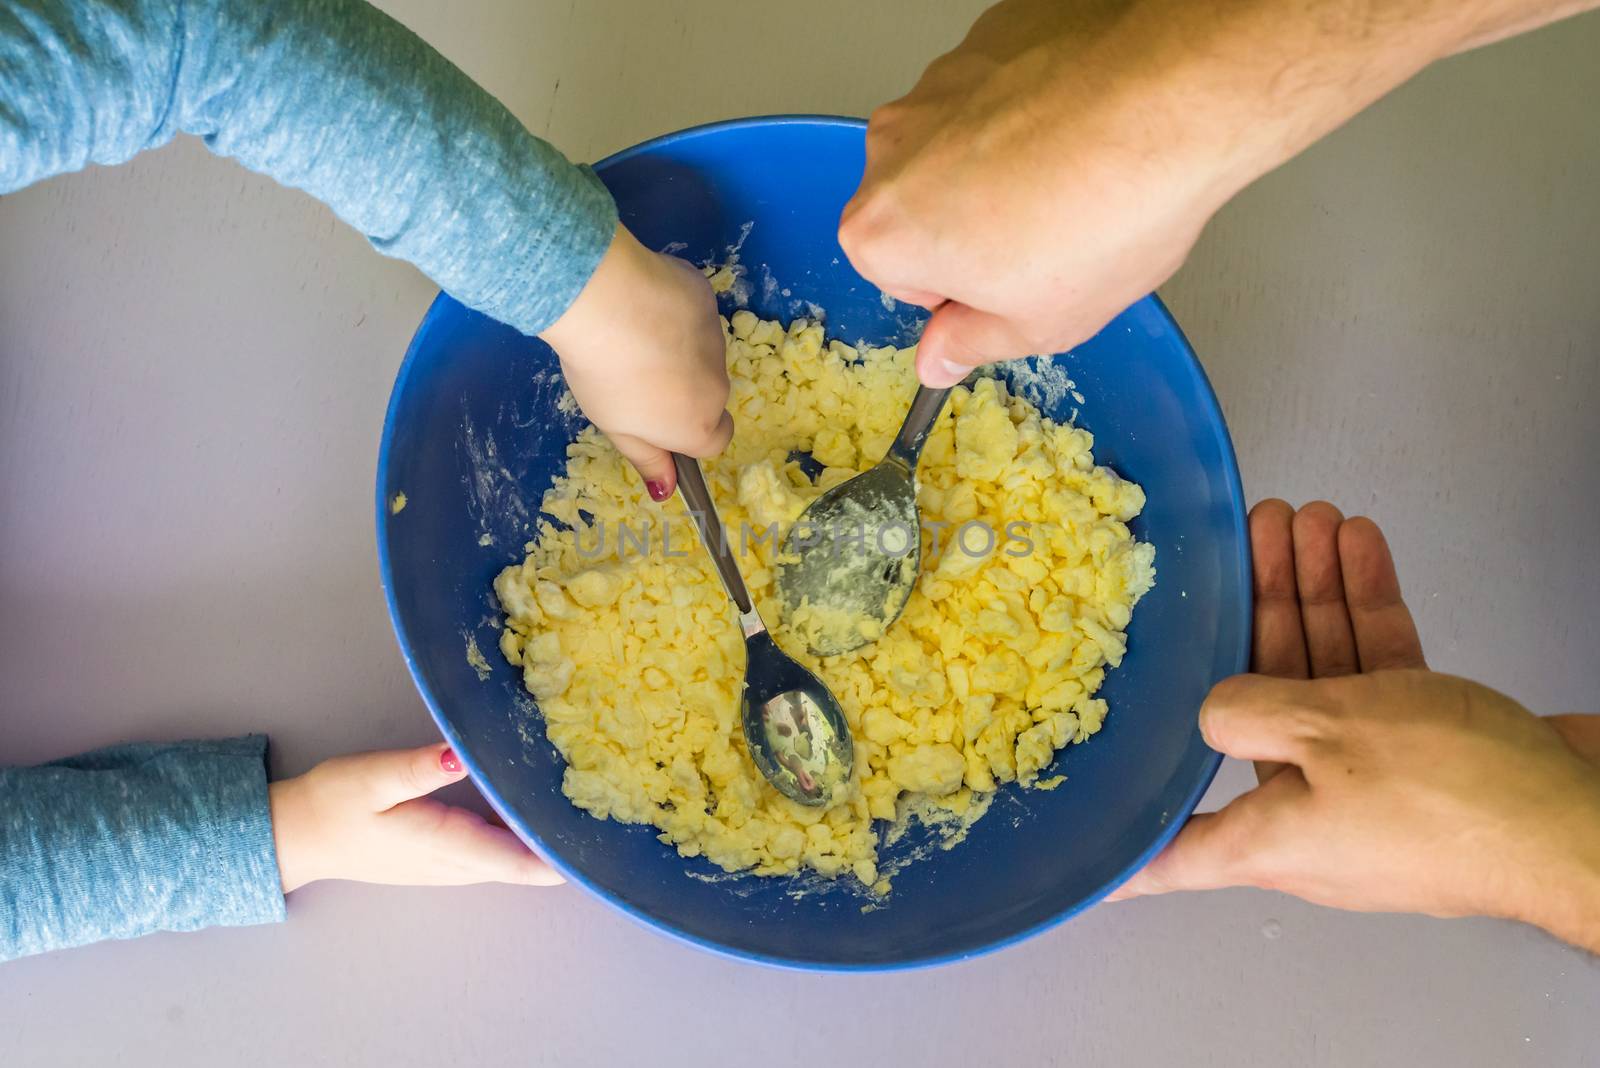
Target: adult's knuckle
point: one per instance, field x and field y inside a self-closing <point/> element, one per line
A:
<point x="1308" y="724"/>
<point x="861" y="227"/>
<point x="883" y="118"/>
<point x="1216" y="723"/>
<point x="1241" y="853"/>
<point x="1225" y="696"/>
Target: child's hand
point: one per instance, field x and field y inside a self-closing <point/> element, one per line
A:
<point x="365" y="817"/>
<point x="643" y="353"/>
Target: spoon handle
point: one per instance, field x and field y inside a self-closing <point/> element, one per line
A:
<point x="924" y="412"/>
<point x="697" y="498"/>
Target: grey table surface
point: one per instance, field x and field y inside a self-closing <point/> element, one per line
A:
<point x="193" y="370"/>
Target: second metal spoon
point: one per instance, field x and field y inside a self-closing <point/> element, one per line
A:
<point x="849" y="563"/>
<point x="793" y="726"/>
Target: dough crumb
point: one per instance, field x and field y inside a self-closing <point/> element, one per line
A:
<point x="476" y="659"/>
<point x="1029" y="580"/>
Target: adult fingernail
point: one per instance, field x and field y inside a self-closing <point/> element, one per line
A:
<point x="941" y="373"/>
<point x="449" y="761"/>
<point x="658" y="489"/>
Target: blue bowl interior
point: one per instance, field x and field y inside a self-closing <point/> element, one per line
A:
<point x="473" y="438"/>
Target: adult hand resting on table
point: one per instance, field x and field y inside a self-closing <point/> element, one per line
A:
<point x="1384" y="786"/>
<point x="1059" y="164"/>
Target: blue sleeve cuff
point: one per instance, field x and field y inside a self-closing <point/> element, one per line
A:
<point x="133" y="839"/>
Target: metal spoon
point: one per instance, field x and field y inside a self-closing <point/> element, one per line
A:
<point x="794" y="728"/>
<point x="848" y="565"/>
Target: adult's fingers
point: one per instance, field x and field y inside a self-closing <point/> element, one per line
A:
<point x="1279" y="644"/>
<point x="1330" y="641"/>
<point x="959" y="338"/>
<point x="1278" y="647"/>
<point x="922" y="298"/>
<point x="1253" y="717"/>
<point x="1385" y="634"/>
<point x="1580" y="732"/>
<point x="1225" y="848"/>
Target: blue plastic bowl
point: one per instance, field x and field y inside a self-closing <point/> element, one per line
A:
<point x="474" y="437"/>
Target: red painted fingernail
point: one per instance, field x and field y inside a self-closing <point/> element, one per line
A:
<point x="449" y="761"/>
<point x="658" y="489"/>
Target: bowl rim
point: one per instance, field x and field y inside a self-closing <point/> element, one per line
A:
<point x="1235" y="492"/>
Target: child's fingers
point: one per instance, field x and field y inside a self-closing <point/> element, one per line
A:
<point x="450" y="846"/>
<point x="502" y="858"/>
<point x="653" y="464"/>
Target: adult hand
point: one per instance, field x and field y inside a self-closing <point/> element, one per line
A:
<point x="1384" y="786"/>
<point x="643" y="353"/>
<point x="367" y="817"/>
<point x="1060" y="163"/>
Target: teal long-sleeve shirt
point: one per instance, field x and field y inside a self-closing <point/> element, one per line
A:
<point x="337" y="99"/>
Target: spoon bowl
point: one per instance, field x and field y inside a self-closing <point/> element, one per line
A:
<point x="849" y="563"/>
<point x="794" y="728"/>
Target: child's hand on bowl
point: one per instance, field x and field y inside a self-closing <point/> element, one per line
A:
<point x="642" y="350"/>
<point x="367" y="818"/>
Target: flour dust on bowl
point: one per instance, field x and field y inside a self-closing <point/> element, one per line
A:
<point x="478" y="430"/>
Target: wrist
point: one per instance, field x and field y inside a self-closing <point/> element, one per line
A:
<point x="293" y="834"/>
<point x="1562" y="888"/>
<point x="603" y="298"/>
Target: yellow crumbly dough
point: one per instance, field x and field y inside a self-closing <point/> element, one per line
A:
<point x="629" y="643"/>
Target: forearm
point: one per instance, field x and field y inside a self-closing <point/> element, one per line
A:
<point x="141" y="838"/>
<point x="1249" y="84"/>
<point x="329" y="96"/>
<point x="1495" y="20"/>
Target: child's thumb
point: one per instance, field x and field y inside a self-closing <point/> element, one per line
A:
<point x="398" y="775"/>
